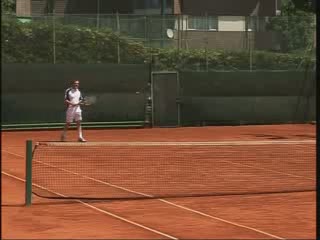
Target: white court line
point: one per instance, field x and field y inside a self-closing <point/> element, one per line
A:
<point x="217" y="143"/>
<point x="18" y="155"/>
<point x="220" y="219"/>
<point x="83" y="176"/>
<point x="97" y="209"/>
<point x="13" y="146"/>
<point x="198" y="212"/>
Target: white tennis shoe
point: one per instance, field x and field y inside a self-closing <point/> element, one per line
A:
<point x="82" y="140"/>
<point x="62" y="138"/>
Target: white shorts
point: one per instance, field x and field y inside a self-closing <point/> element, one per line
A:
<point x="73" y="115"/>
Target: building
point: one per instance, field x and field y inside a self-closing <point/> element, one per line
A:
<point x="186" y="7"/>
<point x="221" y="22"/>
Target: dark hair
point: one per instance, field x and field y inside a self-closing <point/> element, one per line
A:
<point x="73" y="81"/>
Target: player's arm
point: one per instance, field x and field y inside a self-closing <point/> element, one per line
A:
<point x="66" y="101"/>
<point x="81" y="100"/>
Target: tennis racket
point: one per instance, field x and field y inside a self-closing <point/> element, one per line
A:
<point x="88" y="100"/>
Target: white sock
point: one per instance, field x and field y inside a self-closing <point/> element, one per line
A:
<point x="64" y="133"/>
<point x="80" y="132"/>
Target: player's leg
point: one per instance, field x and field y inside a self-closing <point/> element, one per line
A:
<point x="78" y="119"/>
<point x="64" y="133"/>
<point x="69" y="120"/>
<point x="81" y="138"/>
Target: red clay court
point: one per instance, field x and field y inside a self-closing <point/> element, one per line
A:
<point x="284" y="153"/>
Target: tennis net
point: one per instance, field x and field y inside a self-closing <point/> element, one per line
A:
<point x="134" y="170"/>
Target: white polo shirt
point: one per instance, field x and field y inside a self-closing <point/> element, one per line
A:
<point x="74" y="96"/>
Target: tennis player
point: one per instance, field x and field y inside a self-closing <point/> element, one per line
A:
<point x="72" y="99"/>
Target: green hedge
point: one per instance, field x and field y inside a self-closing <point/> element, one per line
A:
<point x="171" y="59"/>
<point x="32" y="42"/>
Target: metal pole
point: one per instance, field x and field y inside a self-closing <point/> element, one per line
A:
<point x="251" y="52"/>
<point x="207" y="41"/>
<point x="248" y="38"/>
<point x="118" y="33"/>
<point x="28" y="193"/>
<point x="179" y="37"/>
<point x="251" y="42"/>
<point x="146" y="31"/>
<point x="98" y="14"/>
<point x="54" y="36"/>
<point x="163" y="7"/>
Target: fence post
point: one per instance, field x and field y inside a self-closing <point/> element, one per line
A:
<point x="28" y="193"/>
<point x="54" y="36"/>
<point x="118" y="33"/>
<point x="98" y="14"/>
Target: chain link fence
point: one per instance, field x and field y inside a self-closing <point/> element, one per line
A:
<point x="276" y="50"/>
<point x="177" y="42"/>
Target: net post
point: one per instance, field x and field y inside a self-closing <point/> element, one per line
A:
<point x="28" y="193"/>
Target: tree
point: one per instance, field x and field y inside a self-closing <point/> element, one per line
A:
<point x="8" y="6"/>
<point x="295" y="25"/>
<point x="305" y="5"/>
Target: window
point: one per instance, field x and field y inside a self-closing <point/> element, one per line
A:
<point x="202" y="23"/>
<point x="152" y="6"/>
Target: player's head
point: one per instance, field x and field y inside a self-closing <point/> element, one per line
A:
<point x="75" y="84"/>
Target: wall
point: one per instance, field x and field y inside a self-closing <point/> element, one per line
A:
<point x="34" y="93"/>
<point x="23" y="8"/>
<point x="247" y="97"/>
<point x="235" y="40"/>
